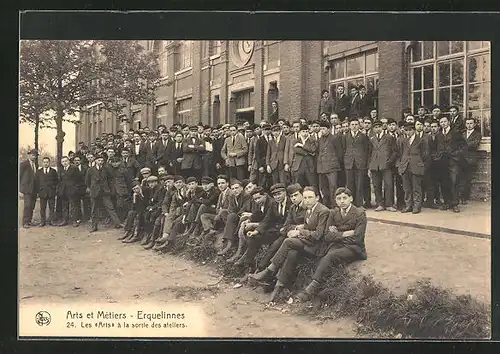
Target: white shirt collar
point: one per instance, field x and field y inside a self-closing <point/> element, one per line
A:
<point x="314" y="207"/>
<point x="447" y="130"/>
<point x="347" y="209"/>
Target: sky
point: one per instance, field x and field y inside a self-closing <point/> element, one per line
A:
<point x="47" y="137"/>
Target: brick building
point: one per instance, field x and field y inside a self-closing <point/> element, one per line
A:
<point x="222" y="81"/>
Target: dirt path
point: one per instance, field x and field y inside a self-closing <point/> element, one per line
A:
<point x="66" y="265"/>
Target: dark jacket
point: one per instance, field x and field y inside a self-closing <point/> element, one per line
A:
<point x="144" y="156"/>
<point x="295" y="216"/>
<point x="121" y="182"/>
<point x="454" y="146"/>
<point x="341" y="106"/>
<point x="325" y="106"/>
<point x="265" y="215"/>
<point x="240" y="204"/>
<point x="356" y="151"/>
<point x="354" y="220"/>
<point x="383" y="152"/>
<point x="159" y="152"/>
<point x="192" y="156"/>
<point x="412" y="157"/>
<point x="68" y="182"/>
<point x="304" y="155"/>
<point x="208" y="198"/>
<point x="330" y="154"/>
<point x="314" y="227"/>
<point x="26" y="178"/>
<point x="46" y="184"/>
<point x="470" y="151"/>
<point x="99" y="181"/>
<point x="275" y="154"/>
<point x="261" y="151"/>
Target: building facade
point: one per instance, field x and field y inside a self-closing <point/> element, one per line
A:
<point x="222" y="81"/>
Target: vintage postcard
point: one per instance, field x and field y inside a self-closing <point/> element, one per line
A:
<point x="254" y="189"/>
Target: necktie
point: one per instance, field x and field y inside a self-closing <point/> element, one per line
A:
<point x="344" y="213"/>
<point x="46" y="171"/>
<point x="308" y="215"/>
<point x="279" y="209"/>
<point x="178" y="146"/>
<point x="233" y="140"/>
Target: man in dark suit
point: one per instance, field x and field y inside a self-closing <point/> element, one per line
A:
<point x="234" y="153"/>
<point x="302" y="240"/>
<point x="454" y="145"/>
<point x="365" y="102"/>
<point x="432" y="177"/>
<point x="192" y="147"/>
<point x="329" y="162"/>
<point x="67" y="190"/>
<point x="326" y="104"/>
<point x="260" y="155"/>
<point x="160" y="149"/>
<point x="354" y="104"/>
<point x="275" y="156"/>
<point x="46" y="180"/>
<point x="341" y="103"/>
<point x="98" y="181"/>
<point x="343" y="242"/>
<point x="141" y="151"/>
<point x="289" y="153"/>
<point x="303" y="164"/>
<point x="121" y="187"/>
<point x="261" y="228"/>
<point x="212" y="223"/>
<point x="380" y="164"/>
<point x="83" y="197"/>
<point x="130" y="163"/>
<point x="392" y="130"/>
<point x="27" y="187"/>
<point x="174" y="153"/>
<point x="412" y="154"/>
<point x="469" y="164"/>
<point x="357" y="149"/>
<point x="456" y="121"/>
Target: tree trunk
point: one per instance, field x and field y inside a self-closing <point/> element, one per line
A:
<point x="37" y="128"/>
<point x="60" y="135"/>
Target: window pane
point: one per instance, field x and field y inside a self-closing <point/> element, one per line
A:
<point x="443" y="48"/>
<point x="417" y="100"/>
<point x="485" y="88"/>
<point x="417" y="78"/>
<point x="352" y="83"/>
<point x="474" y="96"/>
<point x="444" y="74"/>
<point x="355" y="65"/>
<point x="457" y="46"/>
<point x="486" y="123"/>
<point x="472" y="45"/>
<point x="457" y="72"/>
<point x="428" y="50"/>
<point x="486" y="69"/>
<point x="428" y="98"/>
<point x="428" y="76"/>
<point x="416" y="53"/>
<point x="371" y="62"/>
<point x="444" y="98"/>
<point x="457" y="97"/>
<point x="337" y="69"/>
<point x="371" y="84"/>
<point x="474" y="70"/>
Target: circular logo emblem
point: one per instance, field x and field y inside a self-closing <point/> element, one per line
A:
<point x="42" y="318"/>
<point x="241" y="52"/>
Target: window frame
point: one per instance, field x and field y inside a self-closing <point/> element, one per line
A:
<point x="463" y="56"/>
<point x="181" y="114"/>
<point x="185" y="47"/>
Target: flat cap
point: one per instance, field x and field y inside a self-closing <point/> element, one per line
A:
<point x="193" y="128"/>
<point x="145" y="170"/>
<point x="377" y="123"/>
<point x="169" y="177"/>
<point x="276" y="188"/>
<point x="276" y="127"/>
<point x="191" y="179"/>
<point x="152" y="179"/>
<point x="294" y="188"/>
<point x="178" y="178"/>
<point x="236" y="181"/>
<point x="409" y="125"/>
<point x="303" y="127"/>
<point x="207" y="180"/>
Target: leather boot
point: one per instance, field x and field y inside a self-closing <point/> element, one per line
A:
<point x="242" y="260"/>
<point x="237" y="255"/>
<point x="310" y="290"/>
<point x="146" y="239"/>
<point x="189" y="230"/>
<point x="154" y="236"/>
<point x="135" y="237"/>
<point x="124" y="235"/>
<point x="226" y="249"/>
<point x="167" y="246"/>
<point x="278" y="289"/>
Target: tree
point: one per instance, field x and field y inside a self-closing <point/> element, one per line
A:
<point x="23" y="152"/>
<point x="60" y="78"/>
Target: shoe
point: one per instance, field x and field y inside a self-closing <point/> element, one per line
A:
<point x="93" y="229"/>
<point x="379" y="208"/>
<point x="149" y="245"/>
<point x="77" y="223"/>
<point x="406" y="210"/>
<point x="167" y="246"/>
<point x="308" y="293"/>
<point x="416" y="210"/>
<point x="391" y="209"/>
<point x="42" y="224"/>
<point x="26" y="226"/>
<point x="146" y="239"/>
<point x="119" y="226"/>
<point x="124" y="235"/>
<point x="278" y="290"/>
<point x="242" y="260"/>
<point x="455" y="209"/>
<point x="64" y="223"/>
<point x="445" y="207"/>
<point x="237" y="255"/>
<point x="226" y="249"/>
<point x="261" y="276"/>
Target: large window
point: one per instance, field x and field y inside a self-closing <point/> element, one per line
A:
<point x="355" y="70"/>
<point x="160" y="115"/>
<point x="136" y="120"/>
<point x="453" y="73"/>
<point x="159" y="48"/>
<point x="184" y="55"/>
<point x="244" y="99"/>
<point x="215" y="47"/>
<point x="184" y="111"/>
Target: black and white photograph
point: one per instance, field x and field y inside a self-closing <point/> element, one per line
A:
<point x="254" y="189"/>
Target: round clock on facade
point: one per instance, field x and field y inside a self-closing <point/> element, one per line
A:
<point x="242" y="52"/>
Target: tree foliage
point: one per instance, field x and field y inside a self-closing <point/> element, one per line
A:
<point x="59" y="78"/>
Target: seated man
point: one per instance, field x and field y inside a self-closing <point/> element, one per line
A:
<point x="153" y="211"/>
<point x="240" y="202"/>
<point x="206" y="202"/>
<point x="302" y="240"/>
<point x="168" y="184"/>
<point x="344" y="240"/>
<point x="211" y="222"/>
<point x="194" y="192"/>
<point x="172" y="209"/>
<point x="135" y="215"/>
<point x="260" y="228"/>
<point x="295" y="216"/>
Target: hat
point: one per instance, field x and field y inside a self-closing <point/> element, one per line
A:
<point x="276" y="188"/>
<point x="409" y="125"/>
<point x="168" y="177"/>
<point x="191" y="179"/>
<point x="244" y="182"/>
<point x="207" y="180"/>
<point x="145" y="170"/>
<point x="162" y="177"/>
<point x="265" y="125"/>
<point x="136" y="183"/>
<point x="225" y="126"/>
<point x="152" y="179"/>
<point x="303" y="127"/>
<point x="100" y="156"/>
<point x="200" y="124"/>
<point x="193" y="128"/>
<point x="391" y="120"/>
<point x="293" y="188"/>
<point x="178" y="178"/>
<point x="377" y="123"/>
<point x="236" y="181"/>
<point x="276" y="128"/>
<point x="325" y="124"/>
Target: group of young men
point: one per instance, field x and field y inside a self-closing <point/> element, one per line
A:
<point x="245" y="181"/>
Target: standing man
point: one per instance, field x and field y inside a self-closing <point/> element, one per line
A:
<point x="365" y="102"/>
<point x="412" y="154"/>
<point x="303" y="164"/>
<point x="260" y="155"/>
<point x="456" y="122"/>
<point x="160" y="149"/>
<point x="83" y="197"/>
<point x="98" y="181"/>
<point x="234" y="152"/>
<point x="357" y="149"/>
<point x="27" y="187"/>
<point x="275" y="156"/>
<point x="341" y="105"/>
<point x="354" y="104"/>
<point x="67" y="190"/>
<point x="329" y="163"/>
<point x="46" y="183"/>
<point x="140" y="151"/>
<point x="380" y="164"/>
<point x="192" y="147"/>
<point x="325" y="104"/>
<point x="469" y="164"/>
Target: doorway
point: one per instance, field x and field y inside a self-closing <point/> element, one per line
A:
<point x="246" y="116"/>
